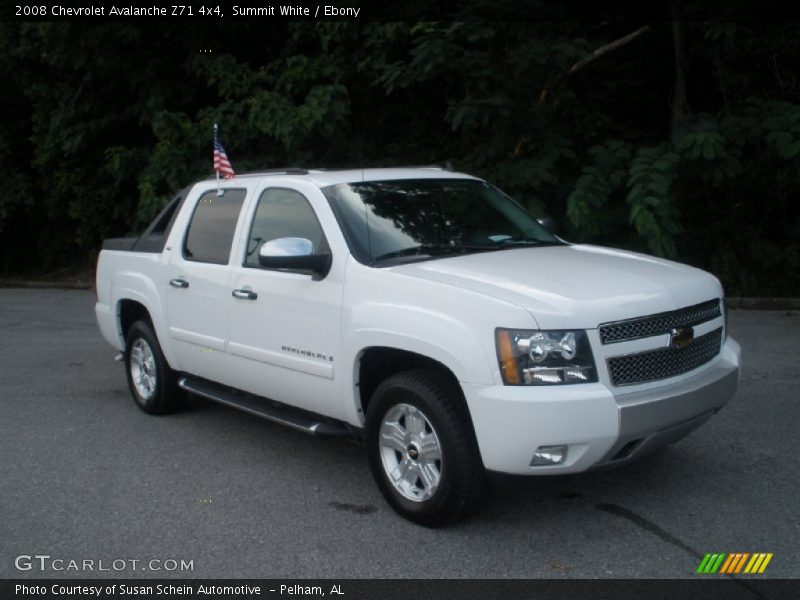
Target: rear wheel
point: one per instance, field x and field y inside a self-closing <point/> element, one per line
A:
<point x="153" y="385"/>
<point x="422" y="449"/>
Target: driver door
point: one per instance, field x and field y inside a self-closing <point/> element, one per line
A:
<point x="285" y="325"/>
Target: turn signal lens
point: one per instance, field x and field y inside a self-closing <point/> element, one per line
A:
<point x="508" y="363"/>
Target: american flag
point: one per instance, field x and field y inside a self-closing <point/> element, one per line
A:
<point x="221" y="163"/>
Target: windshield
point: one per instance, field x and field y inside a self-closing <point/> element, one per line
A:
<point x="388" y="222"/>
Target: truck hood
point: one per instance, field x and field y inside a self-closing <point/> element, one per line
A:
<point x="573" y="286"/>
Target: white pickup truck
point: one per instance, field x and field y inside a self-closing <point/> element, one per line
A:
<point x="423" y="312"/>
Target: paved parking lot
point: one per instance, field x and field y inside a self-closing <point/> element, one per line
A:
<point x="85" y="475"/>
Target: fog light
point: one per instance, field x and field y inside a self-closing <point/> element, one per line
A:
<point x="549" y="455"/>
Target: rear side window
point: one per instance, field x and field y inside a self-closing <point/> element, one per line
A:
<point x="282" y="213"/>
<point x="213" y="224"/>
<point x="160" y="223"/>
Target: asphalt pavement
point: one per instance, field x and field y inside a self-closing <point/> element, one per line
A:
<point x="85" y="475"/>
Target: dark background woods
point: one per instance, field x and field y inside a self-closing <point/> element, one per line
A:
<point x="680" y="139"/>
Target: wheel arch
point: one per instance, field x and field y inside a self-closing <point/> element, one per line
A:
<point x="375" y="363"/>
<point x="377" y="354"/>
<point x="133" y="305"/>
<point x="128" y="312"/>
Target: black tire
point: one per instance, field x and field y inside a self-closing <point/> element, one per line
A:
<point x="463" y="483"/>
<point x="166" y="396"/>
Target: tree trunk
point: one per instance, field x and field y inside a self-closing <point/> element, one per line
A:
<point x="678" y="104"/>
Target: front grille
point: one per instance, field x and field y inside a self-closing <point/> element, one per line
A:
<point x="664" y="362"/>
<point x="641" y="327"/>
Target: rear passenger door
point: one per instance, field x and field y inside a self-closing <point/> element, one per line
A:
<point x="285" y="335"/>
<point x="198" y="284"/>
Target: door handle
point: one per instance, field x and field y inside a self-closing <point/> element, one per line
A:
<point x="179" y="283"/>
<point x="244" y="294"/>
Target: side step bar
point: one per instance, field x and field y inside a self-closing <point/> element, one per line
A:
<point x="271" y="410"/>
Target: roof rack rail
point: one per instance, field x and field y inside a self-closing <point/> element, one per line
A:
<point x="282" y="171"/>
<point x="353" y="167"/>
<point x="279" y="171"/>
<point x="287" y="170"/>
<point x="448" y="166"/>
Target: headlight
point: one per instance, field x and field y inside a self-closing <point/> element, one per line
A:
<point x="544" y="357"/>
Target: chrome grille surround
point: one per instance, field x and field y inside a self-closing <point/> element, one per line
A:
<point x="661" y="363"/>
<point x="641" y="327"/>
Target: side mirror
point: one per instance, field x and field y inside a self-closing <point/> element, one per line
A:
<point x="548" y="223"/>
<point x="293" y="253"/>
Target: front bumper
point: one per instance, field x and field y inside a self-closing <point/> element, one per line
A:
<point x="602" y="426"/>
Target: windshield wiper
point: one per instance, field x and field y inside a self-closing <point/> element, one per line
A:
<point x="432" y="250"/>
<point x="527" y="242"/>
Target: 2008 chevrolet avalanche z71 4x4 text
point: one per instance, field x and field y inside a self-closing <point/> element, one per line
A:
<point x="422" y="311"/>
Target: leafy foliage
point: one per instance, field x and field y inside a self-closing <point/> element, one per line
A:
<point x="652" y="209"/>
<point x="604" y="174"/>
<point x="94" y="141"/>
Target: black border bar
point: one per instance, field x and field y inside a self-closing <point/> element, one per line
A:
<point x="700" y="587"/>
<point x="410" y="10"/>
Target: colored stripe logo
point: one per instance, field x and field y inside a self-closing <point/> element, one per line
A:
<point x="736" y="562"/>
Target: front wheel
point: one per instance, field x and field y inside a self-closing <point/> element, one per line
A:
<point x="422" y="449"/>
<point x="153" y="384"/>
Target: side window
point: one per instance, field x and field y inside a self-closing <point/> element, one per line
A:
<point x="164" y="218"/>
<point x="282" y="213"/>
<point x="211" y="230"/>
